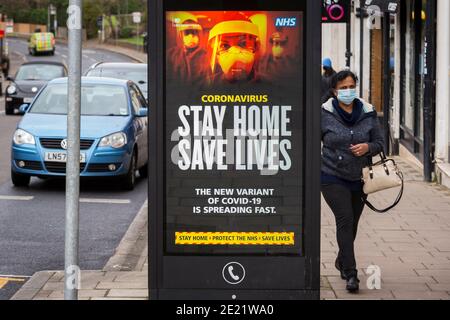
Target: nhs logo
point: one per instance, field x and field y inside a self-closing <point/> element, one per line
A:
<point x="286" y="22"/>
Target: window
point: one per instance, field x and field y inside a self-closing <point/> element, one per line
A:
<point x="96" y="100"/>
<point x="135" y="101"/>
<point x="40" y="72"/>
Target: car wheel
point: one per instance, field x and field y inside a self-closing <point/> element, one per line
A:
<point x="129" y="180"/>
<point x="143" y="172"/>
<point x="9" y="110"/>
<point x="20" y="180"/>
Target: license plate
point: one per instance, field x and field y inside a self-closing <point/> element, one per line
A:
<point x="27" y="100"/>
<point x="61" y="157"/>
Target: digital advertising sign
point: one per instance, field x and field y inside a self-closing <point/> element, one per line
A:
<point x="233" y="205"/>
<point x="234" y="175"/>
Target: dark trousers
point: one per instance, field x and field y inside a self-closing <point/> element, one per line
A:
<point x="347" y="207"/>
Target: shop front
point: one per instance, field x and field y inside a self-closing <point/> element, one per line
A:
<point x="417" y="107"/>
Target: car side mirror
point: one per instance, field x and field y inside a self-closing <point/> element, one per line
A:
<point x="9" y="78"/>
<point x="143" y="112"/>
<point x="24" y="108"/>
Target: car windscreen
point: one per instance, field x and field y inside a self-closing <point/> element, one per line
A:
<point x="45" y="72"/>
<point x="137" y="76"/>
<point x="96" y="100"/>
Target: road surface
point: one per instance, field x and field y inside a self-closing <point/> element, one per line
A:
<point x="32" y="219"/>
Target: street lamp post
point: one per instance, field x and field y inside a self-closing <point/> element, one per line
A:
<point x="137" y="21"/>
<point x="361" y="48"/>
<point x="429" y="70"/>
<point x="72" y="270"/>
<point x="51" y="12"/>
<point x="387" y="80"/>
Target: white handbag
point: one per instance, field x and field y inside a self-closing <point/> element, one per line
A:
<point x="382" y="175"/>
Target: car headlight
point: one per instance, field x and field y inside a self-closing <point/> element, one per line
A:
<point x="115" y="140"/>
<point x="11" y="89"/>
<point x="23" y="137"/>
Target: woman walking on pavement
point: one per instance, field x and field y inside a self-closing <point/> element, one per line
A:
<point x="350" y="136"/>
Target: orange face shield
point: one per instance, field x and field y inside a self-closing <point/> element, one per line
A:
<point x="235" y="48"/>
<point x="236" y="55"/>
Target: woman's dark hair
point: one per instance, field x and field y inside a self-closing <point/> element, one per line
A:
<point x="329" y="72"/>
<point x="342" y="75"/>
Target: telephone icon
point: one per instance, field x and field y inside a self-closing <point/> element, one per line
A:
<point x="233" y="273"/>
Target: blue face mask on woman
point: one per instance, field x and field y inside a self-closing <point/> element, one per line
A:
<point x="346" y="96"/>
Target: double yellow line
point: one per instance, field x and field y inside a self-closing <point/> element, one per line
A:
<point x="4" y="281"/>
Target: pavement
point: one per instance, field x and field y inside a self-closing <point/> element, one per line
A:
<point x="133" y="54"/>
<point x="409" y="248"/>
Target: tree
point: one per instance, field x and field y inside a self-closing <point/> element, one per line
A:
<point x="35" y="11"/>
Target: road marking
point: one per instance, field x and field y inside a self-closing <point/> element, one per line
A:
<point x="13" y="276"/>
<point x="17" y="198"/>
<point x="4" y="281"/>
<point x="83" y="200"/>
<point x="64" y="56"/>
<point x="21" y="55"/>
<point x="106" y="201"/>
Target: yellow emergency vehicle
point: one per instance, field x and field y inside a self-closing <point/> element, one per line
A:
<point x="41" y="42"/>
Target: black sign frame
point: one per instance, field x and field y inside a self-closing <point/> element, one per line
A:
<point x="200" y="277"/>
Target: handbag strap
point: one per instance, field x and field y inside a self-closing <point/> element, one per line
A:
<point x="382" y="156"/>
<point x="396" y="202"/>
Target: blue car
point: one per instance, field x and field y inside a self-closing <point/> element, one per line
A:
<point x="113" y="133"/>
